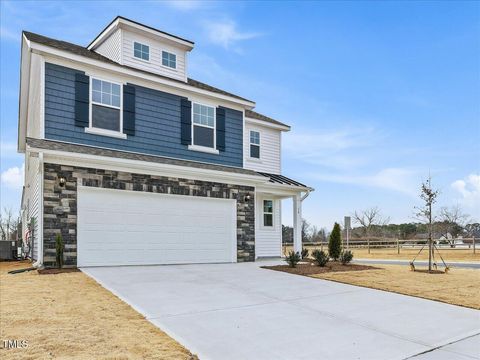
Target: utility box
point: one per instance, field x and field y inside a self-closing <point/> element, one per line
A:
<point x="8" y="250"/>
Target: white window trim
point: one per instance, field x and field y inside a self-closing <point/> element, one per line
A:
<point x="266" y="213"/>
<point x="161" y="59"/>
<point x="99" y="131"/>
<point x="211" y="150"/>
<point x="149" y="52"/>
<point x="250" y="145"/>
<point x="204" y="149"/>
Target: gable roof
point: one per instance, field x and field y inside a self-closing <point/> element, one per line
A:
<point x="82" y="51"/>
<point x="254" y="115"/>
<point x="137" y="23"/>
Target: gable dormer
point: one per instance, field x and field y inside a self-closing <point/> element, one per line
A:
<point x="145" y="48"/>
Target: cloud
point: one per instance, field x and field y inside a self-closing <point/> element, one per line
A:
<point x="469" y="189"/>
<point x="226" y="34"/>
<point x="13" y="177"/>
<point x="341" y="149"/>
<point x="398" y="179"/>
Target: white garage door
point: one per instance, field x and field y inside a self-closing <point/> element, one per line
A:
<point x="118" y="227"/>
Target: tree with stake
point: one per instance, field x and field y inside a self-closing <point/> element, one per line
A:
<point x="429" y="196"/>
<point x="335" y="242"/>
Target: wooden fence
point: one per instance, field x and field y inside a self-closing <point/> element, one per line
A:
<point x="386" y="243"/>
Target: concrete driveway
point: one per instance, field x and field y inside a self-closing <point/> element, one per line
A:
<point x="240" y="311"/>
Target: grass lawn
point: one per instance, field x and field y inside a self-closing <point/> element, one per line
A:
<point x="70" y="316"/>
<point x="407" y="254"/>
<point x="458" y="287"/>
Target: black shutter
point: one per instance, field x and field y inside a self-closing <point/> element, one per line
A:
<point x="129" y="109"/>
<point x="186" y="121"/>
<point x="220" y="129"/>
<point x="82" y="99"/>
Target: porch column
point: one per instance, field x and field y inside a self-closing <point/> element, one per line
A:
<point x="297" y="223"/>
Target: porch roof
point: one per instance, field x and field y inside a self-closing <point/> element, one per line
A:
<point x="282" y="180"/>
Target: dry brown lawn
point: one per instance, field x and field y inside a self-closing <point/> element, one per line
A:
<point x="70" y="316"/>
<point x="407" y="254"/>
<point x="458" y="287"/>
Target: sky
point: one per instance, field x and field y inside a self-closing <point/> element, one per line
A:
<point x="379" y="94"/>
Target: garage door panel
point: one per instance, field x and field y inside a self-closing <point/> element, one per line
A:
<point x="118" y="227"/>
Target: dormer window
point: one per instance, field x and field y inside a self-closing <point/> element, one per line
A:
<point x="169" y="59"/>
<point x="255" y="144"/>
<point x="141" y="51"/>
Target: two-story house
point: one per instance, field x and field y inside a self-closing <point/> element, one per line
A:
<point x="133" y="162"/>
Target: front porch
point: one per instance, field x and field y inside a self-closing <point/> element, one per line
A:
<point x="268" y="217"/>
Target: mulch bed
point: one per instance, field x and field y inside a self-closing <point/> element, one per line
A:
<point x="309" y="268"/>
<point x="57" y="271"/>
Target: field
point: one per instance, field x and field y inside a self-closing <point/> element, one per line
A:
<point x="458" y="287"/>
<point x="70" y="316"/>
<point x="406" y="253"/>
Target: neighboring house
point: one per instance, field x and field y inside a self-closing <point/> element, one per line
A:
<point x="132" y="162"/>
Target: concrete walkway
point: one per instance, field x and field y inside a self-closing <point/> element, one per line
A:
<point x="459" y="264"/>
<point x="240" y="311"/>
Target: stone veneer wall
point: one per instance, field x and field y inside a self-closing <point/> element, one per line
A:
<point x="60" y="203"/>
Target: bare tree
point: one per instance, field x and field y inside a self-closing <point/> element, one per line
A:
<point x="7" y="223"/>
<point x="369" y="219"/>
<point x="429" y="196"/>
<point x="318" y="235"/>
<point x="472" y="230"/>
<point x="306" y="231"/>
<point x="451" y="221"/>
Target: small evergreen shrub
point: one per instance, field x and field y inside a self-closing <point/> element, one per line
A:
<point x="321" y="258"/>
<point x="304" y="253"/>
<point x="293" y="258"/>
<point x="59" y="246"/>
<point x="346" y="256"/>
<point x="335" y="242"/>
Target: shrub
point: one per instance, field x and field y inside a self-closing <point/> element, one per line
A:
<point x="346" y="257"/>
<point x="293" y="259"/>
<point x="304" y="253"/>
<point x="321" y="258"/>
<point x="59" y="246"/>
<point x="335" y="243"/>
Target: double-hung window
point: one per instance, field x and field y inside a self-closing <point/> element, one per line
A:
<point x="255" y="144"/>
<point x="169" y="59"/>
<point x="268" y="213"/>
<point x="203" y="131"/>
<point x="141" y="51"/>
<point x="106" y="106"/>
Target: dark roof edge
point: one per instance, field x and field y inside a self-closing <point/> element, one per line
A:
<point x="44" y="144"/>
<point x="255" y="115"/>
<point x="137" y="23"/>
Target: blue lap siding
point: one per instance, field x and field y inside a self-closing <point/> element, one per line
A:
<point x="157" y="123"/>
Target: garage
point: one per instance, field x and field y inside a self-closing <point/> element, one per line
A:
<point x="120" y="227"/>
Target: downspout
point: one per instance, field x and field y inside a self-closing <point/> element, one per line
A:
<point x="39" y="262"/>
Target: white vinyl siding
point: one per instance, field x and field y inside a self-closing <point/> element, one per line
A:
<point x="154" y="64"/>
<point x="32" y="199"/>
<point x="270" y="149"/>
<point x="268" y="239"/>
<point x="34" y="99"/>
<point x="111" y="47"/>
